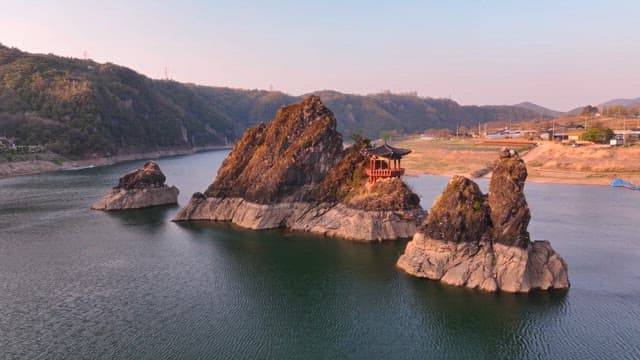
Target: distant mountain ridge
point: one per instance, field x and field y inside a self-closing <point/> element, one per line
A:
<point x="539" y="109"/>
<point x="623" y="102"/>
<point x="613" y="102"/>
<point x="81" y="108"/>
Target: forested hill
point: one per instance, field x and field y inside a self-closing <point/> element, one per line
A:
<point x="80" y="108"/>
<point x="372" y="114"/>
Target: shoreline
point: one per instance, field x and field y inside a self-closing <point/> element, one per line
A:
<point x="571" y="177"/>
<point x="34" y="167"/>
<point x="530" y="178"/>
<point x="567" y="177"/>
<point x="548" y="163"/>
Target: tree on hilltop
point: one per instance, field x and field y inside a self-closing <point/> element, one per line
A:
<point x="589" y="110"/>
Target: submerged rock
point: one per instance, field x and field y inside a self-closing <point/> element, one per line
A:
<point x="481" y="241"/>
<point x="140" y="188"/>
<point x="294" y="173"/>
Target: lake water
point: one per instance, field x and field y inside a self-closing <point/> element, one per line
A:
<point x="77" y="283"/>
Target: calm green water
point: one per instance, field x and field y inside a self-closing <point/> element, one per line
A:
<point x="76" y="283"/>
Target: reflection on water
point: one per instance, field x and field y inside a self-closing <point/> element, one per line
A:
<point x="506" y="324"/>
<point x="89" y="284"/>
<point x="151" y="220"/>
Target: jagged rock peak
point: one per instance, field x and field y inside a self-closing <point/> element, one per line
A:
<point x="150" y="175"/>
<point x="284" y="160"/>
<point x="463" y="213"/>
<point x="510" y="212"/>
<point x="460" y="214"/>
<point x="313" y="108"/>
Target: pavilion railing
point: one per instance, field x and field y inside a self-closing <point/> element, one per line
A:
<point x="385" y="172"/>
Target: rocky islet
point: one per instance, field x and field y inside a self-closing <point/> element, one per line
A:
<point x="481" y="241"/>
<point x="294" y="173"/>
<point x="138" y="189"/>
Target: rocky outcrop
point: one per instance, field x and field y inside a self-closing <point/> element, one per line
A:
<point x="327" y="219"/>
<point x="149" y="176"/>
<point x="510" y="213"/>
<point x="481" y="241"/>
<point x="284" y="161"/>
<point x="140" y="188"/>
<point x="294" y="173"/>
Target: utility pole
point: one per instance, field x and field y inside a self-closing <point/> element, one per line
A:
<point x="166" y="73"/>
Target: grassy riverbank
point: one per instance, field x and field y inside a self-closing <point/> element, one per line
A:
<point x="452" y="157"/>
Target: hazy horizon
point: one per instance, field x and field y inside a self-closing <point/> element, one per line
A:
<point x="557" y="55"/>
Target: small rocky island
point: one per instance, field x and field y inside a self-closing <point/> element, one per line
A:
<point x="138" y="189"/>
<point x="481" y="241"/>
<point x="294" y="173"/>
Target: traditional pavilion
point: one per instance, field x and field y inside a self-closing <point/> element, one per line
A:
<point x="384" y="162"/>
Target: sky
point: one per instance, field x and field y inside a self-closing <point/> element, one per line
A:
<point x="558" y="54"/>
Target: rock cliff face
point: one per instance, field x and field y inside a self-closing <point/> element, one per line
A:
<point x="281" y="162"/>
<point x="294" y="173"/>
<point x="140" y="188"/>
<point x="481" y="241"/>
<point x="510" y="213"/>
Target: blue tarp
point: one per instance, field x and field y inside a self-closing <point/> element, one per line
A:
<point x="624" y="184"/>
